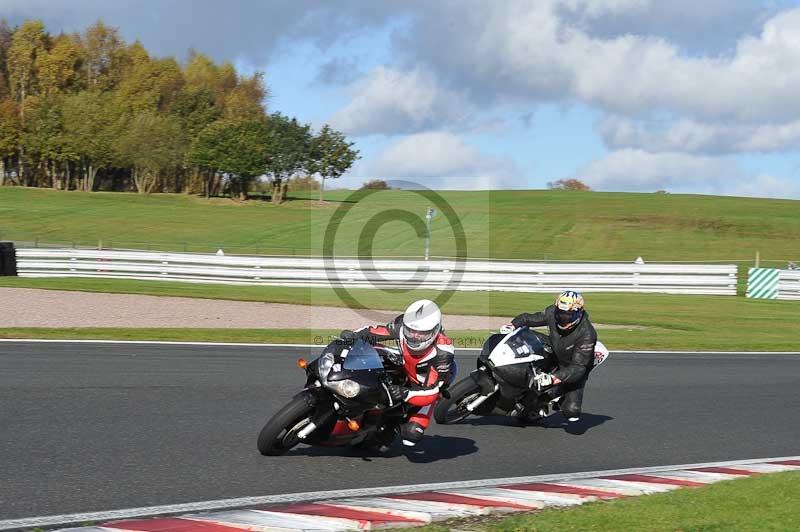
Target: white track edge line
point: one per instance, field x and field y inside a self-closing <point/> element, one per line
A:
<point x="152" y="342"/>
<point x="151" y="511"/>
<point x="319" y="346"/>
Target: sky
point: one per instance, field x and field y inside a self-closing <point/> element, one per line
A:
<point x="625" y="95"/>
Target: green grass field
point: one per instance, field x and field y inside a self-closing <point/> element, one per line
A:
<point x="766" y="502"/>
<point x="656" y="321"/>
<point x="526" y="224"/>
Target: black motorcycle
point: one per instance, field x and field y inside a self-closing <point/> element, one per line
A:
<point x="344" y="403"/>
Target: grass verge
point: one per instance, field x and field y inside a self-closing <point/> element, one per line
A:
<point x="645" y="321"/>
<point x="557" y="224"/>
<point x="616" y="339"/>
<point x="765" y="502"/>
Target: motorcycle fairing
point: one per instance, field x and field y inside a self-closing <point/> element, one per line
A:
<point x="518" y="347"/>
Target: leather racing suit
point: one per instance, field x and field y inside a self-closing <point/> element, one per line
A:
<point x="574" y="352"/>
<point x="427" y="371"/>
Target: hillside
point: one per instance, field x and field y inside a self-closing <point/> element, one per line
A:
<point x="531" y="225"/>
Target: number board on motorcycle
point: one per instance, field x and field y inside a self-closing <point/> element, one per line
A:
<point x="600" y="353"/>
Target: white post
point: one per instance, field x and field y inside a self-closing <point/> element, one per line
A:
<point x="428" y="217"/>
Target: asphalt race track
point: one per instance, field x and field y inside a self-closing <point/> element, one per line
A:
<point x="89" y="427"/>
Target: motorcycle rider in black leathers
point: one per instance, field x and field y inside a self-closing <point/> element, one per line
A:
<point x="573" y="340"/>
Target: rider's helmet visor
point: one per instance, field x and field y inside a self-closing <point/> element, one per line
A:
<point x="567" y="318"/>
<point x="417" y="340"/>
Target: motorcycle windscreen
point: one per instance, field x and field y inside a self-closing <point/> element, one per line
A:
<point x="526" y="342"/>
<point x="362" y="356"/>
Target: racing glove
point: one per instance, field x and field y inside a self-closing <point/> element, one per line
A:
<point x="397" y="394"/>
<point x="348" y="336"/>
<point x="518" y="321"/>
<point x="543" y="380"/>
<point x="392" y="357"/>
<point x="507" y="328"/>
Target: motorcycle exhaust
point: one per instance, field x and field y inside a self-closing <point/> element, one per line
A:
<point x="480" y="400"/>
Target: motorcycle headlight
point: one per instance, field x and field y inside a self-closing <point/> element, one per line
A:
<point x="324" y="367"/>
<point x="345" y="388"/>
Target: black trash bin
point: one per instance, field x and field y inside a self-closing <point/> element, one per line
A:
<point x="8" y="259"/>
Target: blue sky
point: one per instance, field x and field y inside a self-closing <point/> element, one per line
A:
<point x="635" y="95"/>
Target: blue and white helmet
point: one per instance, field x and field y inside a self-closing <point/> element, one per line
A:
<point x="569" y="309"/>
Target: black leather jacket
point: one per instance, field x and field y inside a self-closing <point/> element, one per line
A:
<point x="574" y="351"/>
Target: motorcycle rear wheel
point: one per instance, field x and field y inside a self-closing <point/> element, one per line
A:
<point x="452" y="410"/>
<point x="280" y="432"/>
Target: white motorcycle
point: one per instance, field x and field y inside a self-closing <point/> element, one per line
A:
<point x="507" y="365"/>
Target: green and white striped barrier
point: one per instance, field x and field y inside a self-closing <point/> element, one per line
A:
<point x="762" y="283"/>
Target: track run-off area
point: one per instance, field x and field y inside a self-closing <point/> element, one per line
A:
<point x="103" y="426"/>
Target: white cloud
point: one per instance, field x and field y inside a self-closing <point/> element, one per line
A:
<point x="710" y="26"/>
<point x="767" y="186"/>
<point x="443" y="160"/>
<point x="389" y="101"/>
<point x="640" y="171"/>
<point x="525" y="50"/>
<point x="252" y="31"/>
<point x="699" y="137"/>
<point x="623" y="55"/>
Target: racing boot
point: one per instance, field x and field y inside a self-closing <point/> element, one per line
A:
<point x="386" y="436"/>
<point x="525" y="413"/>
<point x="411" y="433"/>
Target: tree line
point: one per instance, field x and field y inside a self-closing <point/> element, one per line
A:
<point x="88" y="111"/>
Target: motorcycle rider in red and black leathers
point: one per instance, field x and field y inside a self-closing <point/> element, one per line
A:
<point x="573" y="339"/>
<point x="428" y="360"/>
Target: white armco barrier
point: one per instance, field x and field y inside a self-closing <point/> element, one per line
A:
<point x="384" y="273"/>
<point x="789" y="285"/>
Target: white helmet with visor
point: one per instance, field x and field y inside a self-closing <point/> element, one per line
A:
<point x="422" y="322"/>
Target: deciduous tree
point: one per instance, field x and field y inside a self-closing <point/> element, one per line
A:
<point x="56" y="66"/>
<point x="332" y="155"/>
<point x="150" y="144"/>
<point x="89" y="104"/>
<point x="568" y="184"/>
<point x="27" y="44"/>
<point x="104" y="56"/>
<point x="44" y="136"/>
<point x="91" y="125"/>
<point x="6" y="35"/>
<point x="234" y="148"/>
<point x="245" y="101"/>
<point x="288" y="145"/>
<point x="150" y="84"/>
<point x="9" y="134"/>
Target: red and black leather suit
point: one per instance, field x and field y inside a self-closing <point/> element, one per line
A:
<point x="427" y="371"/>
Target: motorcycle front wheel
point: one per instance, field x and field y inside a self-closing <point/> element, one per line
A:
<point x="280" y="433"/>
<point x="454" y="408"/>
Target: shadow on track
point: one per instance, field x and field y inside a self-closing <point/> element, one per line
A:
<point x="430" y="449"/>
<point x="556" y="421"/>
<point x="436" y="447"/>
